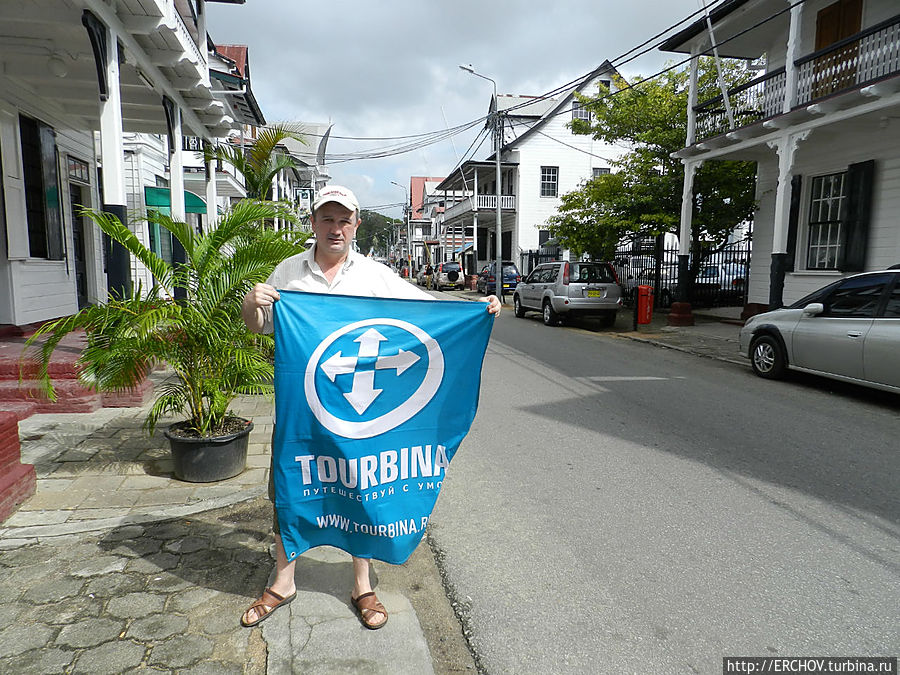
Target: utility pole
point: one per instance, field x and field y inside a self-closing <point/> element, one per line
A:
<point x="498" y="132"/>
<point x="407" y="207"/>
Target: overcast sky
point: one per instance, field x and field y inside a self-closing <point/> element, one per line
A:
<point x="390" y="67"/>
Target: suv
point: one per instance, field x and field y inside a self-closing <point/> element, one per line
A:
<point x="565" y="289"/>
<point x="487" y="280"/>
<point x="448" y="275"/>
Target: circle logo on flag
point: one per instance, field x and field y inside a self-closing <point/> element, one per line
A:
<point x="363" y="358"/>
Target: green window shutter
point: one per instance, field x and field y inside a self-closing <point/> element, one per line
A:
<point x="855" y="230"/>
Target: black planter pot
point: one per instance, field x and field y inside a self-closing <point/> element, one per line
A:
<point x="205" y="460"/>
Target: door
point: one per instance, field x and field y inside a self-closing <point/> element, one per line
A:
<point x="77" y="201"/>
<point x="833" y="342"/>
<point x="880" y="362"/>
<point x="836" y="70"/>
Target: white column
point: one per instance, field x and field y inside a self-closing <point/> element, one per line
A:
<point x="276" y="195"/>
<point x="112" y="147"/>
<point x="475" y="225"/>
<point x="786" y="147"/>
<point x="176" y="169"/>
<point x="687" y="205"/>
<point x="790" y="70"/>
<point x="212" y="195"/>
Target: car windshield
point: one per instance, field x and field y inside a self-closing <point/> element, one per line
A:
<point x="587" y="273"/>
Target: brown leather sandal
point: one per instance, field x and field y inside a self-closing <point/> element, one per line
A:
<point x="268" y="603"/>
<point x="366" y="605"/>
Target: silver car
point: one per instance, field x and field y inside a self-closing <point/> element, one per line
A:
<point x="564" y="289"/>
<point x="849" y="330"/>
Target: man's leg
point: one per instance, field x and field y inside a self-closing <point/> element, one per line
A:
<point x="370" y="609"/>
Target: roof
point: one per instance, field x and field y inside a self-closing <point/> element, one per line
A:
<point x="678" y="42"/>
<point x="531" y="106"/>
<point x="418" y="186"/>
<point x="238" y="80"/>
<point x="238" y="54"/>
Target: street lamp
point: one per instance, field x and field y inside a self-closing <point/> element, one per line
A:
<point x="408" y="208"/>
<point x="498" y="263"/>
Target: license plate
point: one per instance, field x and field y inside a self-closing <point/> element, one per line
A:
<point x="595" y="294"/>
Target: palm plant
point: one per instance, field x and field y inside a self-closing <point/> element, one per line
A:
<point x="202" y="338"/>
<point x="260" y="162"/>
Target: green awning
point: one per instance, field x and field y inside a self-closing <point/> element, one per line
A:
<point x="160" y="197"/>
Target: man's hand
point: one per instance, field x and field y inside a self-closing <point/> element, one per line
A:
<point x="493" y="304"/>
<point x="261" y="295"/>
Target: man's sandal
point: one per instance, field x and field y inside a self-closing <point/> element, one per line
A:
<point x="368" y="605"/>
<point x="268" y="603"/>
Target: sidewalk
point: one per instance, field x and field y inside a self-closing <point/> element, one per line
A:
<point x="114" y="565"/>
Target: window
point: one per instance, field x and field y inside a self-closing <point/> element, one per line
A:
<point x="600" y="171"/>
<point x="893" y="304"/>
<point x="605" y="84"/>
<point x="41" y="180"/>
<point x="579" y="112"/>
<point x="826" y="210"/>
<point x="549" y="181"/>
<point x="857" y="297"/>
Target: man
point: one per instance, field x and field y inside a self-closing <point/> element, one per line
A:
<point x="429" y="275"/>
<point x="330" y="266"/>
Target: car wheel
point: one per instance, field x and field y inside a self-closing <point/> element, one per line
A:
<point x="608" y="320"/>
<point x="517" y="308"/>
<point x="767" y="357"/>
<point x="551" y="318"/>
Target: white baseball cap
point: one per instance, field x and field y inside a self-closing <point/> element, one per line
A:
<point x="336" y="193"/>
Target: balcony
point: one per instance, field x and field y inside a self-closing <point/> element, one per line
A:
<point x="482" y="203"/>
<point x="862" y="59"/>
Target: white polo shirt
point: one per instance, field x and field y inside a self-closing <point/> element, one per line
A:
<point x="357" y="276"/>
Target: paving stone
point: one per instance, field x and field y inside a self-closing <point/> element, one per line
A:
<point x="124" y="532"/>
<point x="169" y="530"/>
<point x="135" y="605"/>
<point x="17" y="580"/>
<point x="20" y="638"/>
<point x="215" y="623"/>
<point x="152" y="563"/>
<point x="106" y="484"/>
<point x="110" y="658"/>
<point x="67" y="611"/>
<point x="167" y="582"/>
<point x="114" y="584"/>
<point x="53" y="590"/>
<point x="135" y="548"/>
<point x="8" y="614"/>
<point x="74" y="551"/>
<point x="90" y="632"/>
<point x="31" y="555"/>
<point x="53" y="484"/>
<point x="101" y="565"/>
<point x="181" y="652"/>
<point x="42" y="661"/>
<point x="204" y="560"/>
<point x="233" y="646"/>
<point x="107" y="500"/>
<point x="157" y="627"/>
<point x="187" y="600"/>
<point x="187" y="545"/>
<point x="213" y="668"/>
<point x="43" y="517"/>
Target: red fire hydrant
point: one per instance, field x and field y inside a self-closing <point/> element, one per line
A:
<point x="645" y="304"/>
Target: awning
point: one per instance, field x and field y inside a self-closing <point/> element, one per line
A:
<point x="159" y="197"/>
<point x="463" y="248"/>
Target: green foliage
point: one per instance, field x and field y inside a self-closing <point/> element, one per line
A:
<point x="644" y="194"/>
<point x="259" y="161"/>
<point x="203" y="338"/>
<point x="375" y="231"/>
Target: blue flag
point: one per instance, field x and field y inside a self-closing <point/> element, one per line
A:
<point x="372" y="398"/>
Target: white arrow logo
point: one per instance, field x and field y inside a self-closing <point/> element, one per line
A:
<point x="363" y="393"/>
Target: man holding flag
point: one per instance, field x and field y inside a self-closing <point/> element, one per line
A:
<point x="332" y="267"/>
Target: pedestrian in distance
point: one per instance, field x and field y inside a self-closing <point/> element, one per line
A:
<point x="429" y="276"/>
<point x="329" y="266"/>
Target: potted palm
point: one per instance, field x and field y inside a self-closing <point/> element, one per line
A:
<point x="201" y="338"/>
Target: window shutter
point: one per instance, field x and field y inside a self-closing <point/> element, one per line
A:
<point x="793" y="220"/>
<point x="855" y="230"/>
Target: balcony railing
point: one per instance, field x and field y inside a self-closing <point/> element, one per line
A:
<point x="482" y="203"/>
<point x="750" y="102"/>
<point x="861" y="59"/>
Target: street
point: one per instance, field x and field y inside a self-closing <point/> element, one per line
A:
<point x="623" y="508"/>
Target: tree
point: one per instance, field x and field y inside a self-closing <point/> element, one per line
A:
<point x="258" y="162"/>
<point x="643" y="196"/>
<point x="375" y="232"/>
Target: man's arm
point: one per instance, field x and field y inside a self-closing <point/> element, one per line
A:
<point x="260" y="296"/>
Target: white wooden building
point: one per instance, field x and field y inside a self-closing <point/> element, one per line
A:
<point x="541" y="159"/>
<point x="823" y="125"/>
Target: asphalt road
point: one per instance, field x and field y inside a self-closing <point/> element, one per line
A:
<point x="621" y="508"/>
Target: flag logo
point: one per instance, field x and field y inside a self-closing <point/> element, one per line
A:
<point x="385" y="348"/>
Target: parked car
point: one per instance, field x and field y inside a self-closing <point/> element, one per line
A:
<point x="730" y="278"/>
<point x="848" y="330"/>
<point x="564" y="289"/>
<point x="449" y="275"/>
<point x="487" y="281"/>
<point x="420" y="276"/>
<point x="668" y="281"/>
